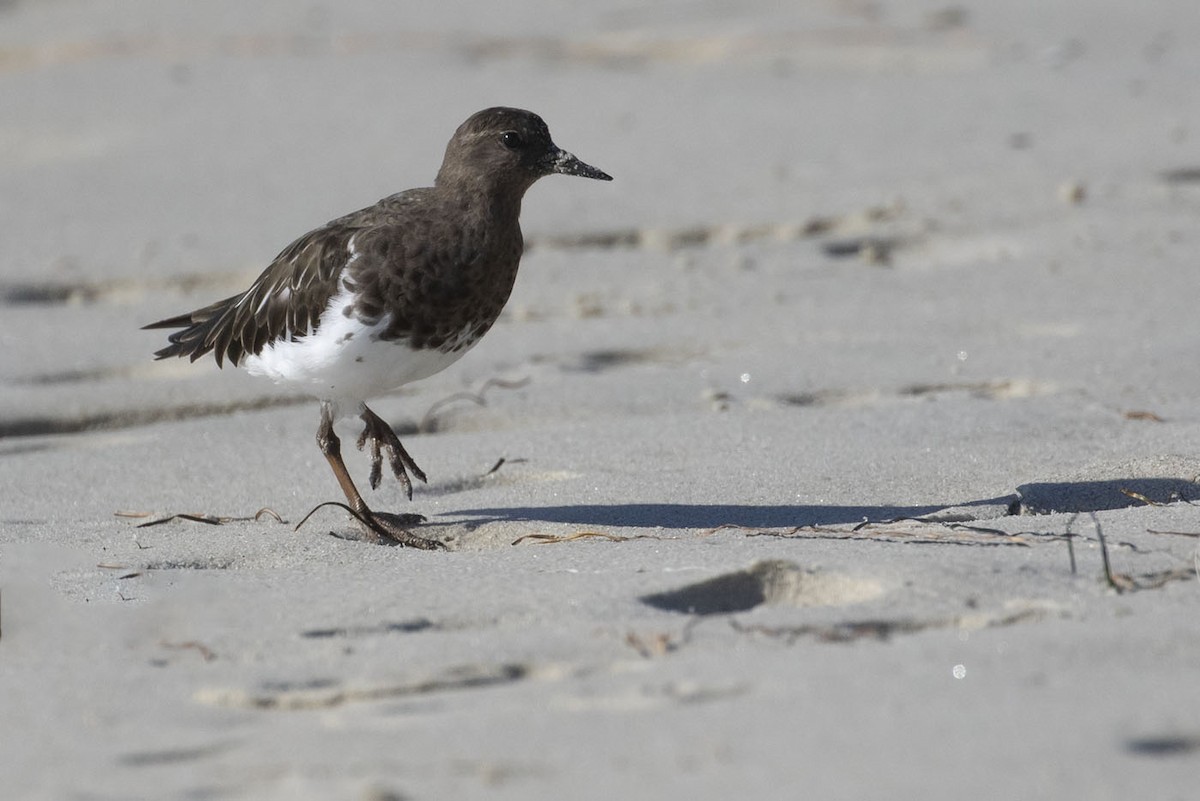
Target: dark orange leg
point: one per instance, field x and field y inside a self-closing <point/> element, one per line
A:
<point x="377" y="527"/>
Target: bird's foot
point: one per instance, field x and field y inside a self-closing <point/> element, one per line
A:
<point x="384" y="440"/>
<point x="381" y="528"/>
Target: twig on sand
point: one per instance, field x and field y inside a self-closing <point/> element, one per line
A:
<point x="922" y="532"/>
<point x="754" y="530"/>
<point x="1118" y="582"/>
<point x="1174" y="533"/>
<point x="339" y="504"/>
<point x="426" y="424"/>
<point x="1137" y="496"/>
<point x="207" y="519"/>
<point x="1070" y="536"/>
<point x="548" y="539"/>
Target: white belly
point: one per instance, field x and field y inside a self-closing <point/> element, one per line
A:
<point x="345" y="362"/>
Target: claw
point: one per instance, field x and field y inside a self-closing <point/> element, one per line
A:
<point x="405" y="484"/>
<point x="398" y="469"/>
<point x="385" y="529"/>
<point x="383" y="438"/>
<point x="376" y="458"/>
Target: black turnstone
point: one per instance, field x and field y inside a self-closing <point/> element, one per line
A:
<point x="389" y="294"/>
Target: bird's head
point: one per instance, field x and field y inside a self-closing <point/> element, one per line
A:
<point x="507" y="147"/>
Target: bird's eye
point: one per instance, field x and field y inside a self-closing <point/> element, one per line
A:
<point x="512" y="140"/>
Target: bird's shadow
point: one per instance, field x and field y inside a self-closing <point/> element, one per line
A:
<point x="1032" y="498"/>
<point x="697" y="516"/>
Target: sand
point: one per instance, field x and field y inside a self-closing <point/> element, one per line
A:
<point x="818" y="424"/>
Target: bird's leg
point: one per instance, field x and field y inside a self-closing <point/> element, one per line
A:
<point x="383" y="438"/>
<point x="331" y="446"/>
<point x="378" y="528"/>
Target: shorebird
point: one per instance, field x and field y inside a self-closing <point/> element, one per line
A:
<point x="387" y="295"/>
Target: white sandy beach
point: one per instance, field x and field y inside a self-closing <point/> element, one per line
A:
<point x="813" y="423"/>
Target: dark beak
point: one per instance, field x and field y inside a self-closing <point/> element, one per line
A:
<point x="561" y="161"/>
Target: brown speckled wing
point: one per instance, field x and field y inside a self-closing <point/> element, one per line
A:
<point x="443" y="274"/>
<point x="285" y="301"/>
<point x="288" y="298"/>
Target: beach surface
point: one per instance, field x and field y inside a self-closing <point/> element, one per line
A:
<point x="845" y="446"/>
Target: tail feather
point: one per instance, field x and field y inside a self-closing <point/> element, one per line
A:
<point x="286" y="301"/>
<point x="203" y="331"/>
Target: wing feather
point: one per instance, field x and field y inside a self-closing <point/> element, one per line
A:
<point x="285" y="301"/>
